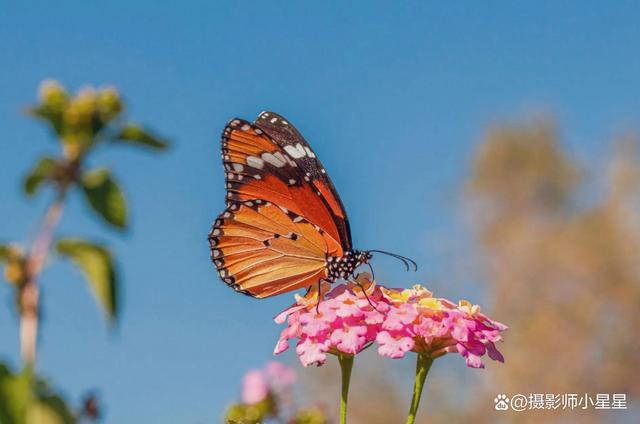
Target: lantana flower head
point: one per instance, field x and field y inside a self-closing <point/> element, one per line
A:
<point x="431" y="326"/>
<point x="400" y="320"/>
<point x="344" y="322"/>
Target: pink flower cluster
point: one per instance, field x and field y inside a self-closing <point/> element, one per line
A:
<point x="343" y="323"/>
<point x="274" y="379"/>
<point x="403" y="320"/>
<point x="421" y="323"/>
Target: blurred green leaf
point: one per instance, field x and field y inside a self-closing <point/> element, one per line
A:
<point x="41" y="172"/>
<point x="15" y="396"/>
<point x="135" y="135"/>
<point x="48" y="407"/>
<point x="15" y="264"/>
<point x="52" y="115"/>
<point x="25" y="400"/>
<point x="311" y="415"/>
<point x="5" y="254"/>
<point x="105" y="196"/>
<point x="96" y="264"/>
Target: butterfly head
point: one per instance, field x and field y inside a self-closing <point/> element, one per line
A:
<point x="363" y="257"/>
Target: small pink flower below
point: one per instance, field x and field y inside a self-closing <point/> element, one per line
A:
<point x="254" y="387"/>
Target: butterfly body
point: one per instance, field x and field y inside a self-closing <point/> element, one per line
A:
<point x="284" y="227"/>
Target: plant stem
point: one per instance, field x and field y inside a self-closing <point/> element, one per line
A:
<point x="29" y="294"/>
<point x="346" y="365"/>
<point x="422" y="369"/>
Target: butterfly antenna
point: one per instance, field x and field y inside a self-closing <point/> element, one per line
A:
<point x="408" y="262"/>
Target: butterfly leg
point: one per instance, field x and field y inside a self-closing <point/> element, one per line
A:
<point x="365" y="294"/>
<point x="320" y="281"/>
<point x="319" y="293"/>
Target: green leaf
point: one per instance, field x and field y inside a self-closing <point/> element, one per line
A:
<point x="41" y="172"/>
<point x="15" y="396"/>
<point x="52" y="115"/>
<point x="105" y="196"/>
<point x="97" y="266"/>
<point x="48" y="407"/>
<point x="135" y="135"/>
<point x="26" y="399"/>
<point x="5" y="254"/>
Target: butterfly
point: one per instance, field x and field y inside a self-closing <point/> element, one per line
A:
<point x="284" y="227"/>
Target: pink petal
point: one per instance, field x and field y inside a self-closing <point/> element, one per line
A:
<point x="254" y="387"/>
<point x="312" y="352"/>
<point x="393" y="347"/>
<point x="280" y="318"/>
<point x="494" y="353"/>
<point x="349" y="339"/>
<point x="281" y="346"/>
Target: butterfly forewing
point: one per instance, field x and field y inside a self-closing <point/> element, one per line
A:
<point x="309" y="167"/>
<point x="258" y="168"/>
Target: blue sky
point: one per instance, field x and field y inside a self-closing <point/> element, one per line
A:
<point x="392" y="95"/>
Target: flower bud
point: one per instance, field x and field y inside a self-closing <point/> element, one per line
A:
<point x="53" y="94"/>
<point x="14" y="270"/>
<point x="109" y="103"/>
<point x="82" y="108"/>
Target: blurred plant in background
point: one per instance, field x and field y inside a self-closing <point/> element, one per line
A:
<point x="566" y="239"/>
<point x="267" y="396"/>
<point x="81" y="123"/>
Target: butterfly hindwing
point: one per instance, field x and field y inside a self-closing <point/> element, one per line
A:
<point x="262" y="251"/>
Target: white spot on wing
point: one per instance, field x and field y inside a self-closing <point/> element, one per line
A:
<point x="280" y="156"/>
<point x="238" y="167"/>
<point x="255" y="162"/>
<point x="295" y="153"/>
<point x="269" y="158"/>
<point x="309" y="152"/>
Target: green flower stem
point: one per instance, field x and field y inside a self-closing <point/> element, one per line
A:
<point x="422" y="369"/>
<point x="346" y="365"/>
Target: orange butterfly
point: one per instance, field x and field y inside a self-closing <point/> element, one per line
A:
<point x="284" y="227"/>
